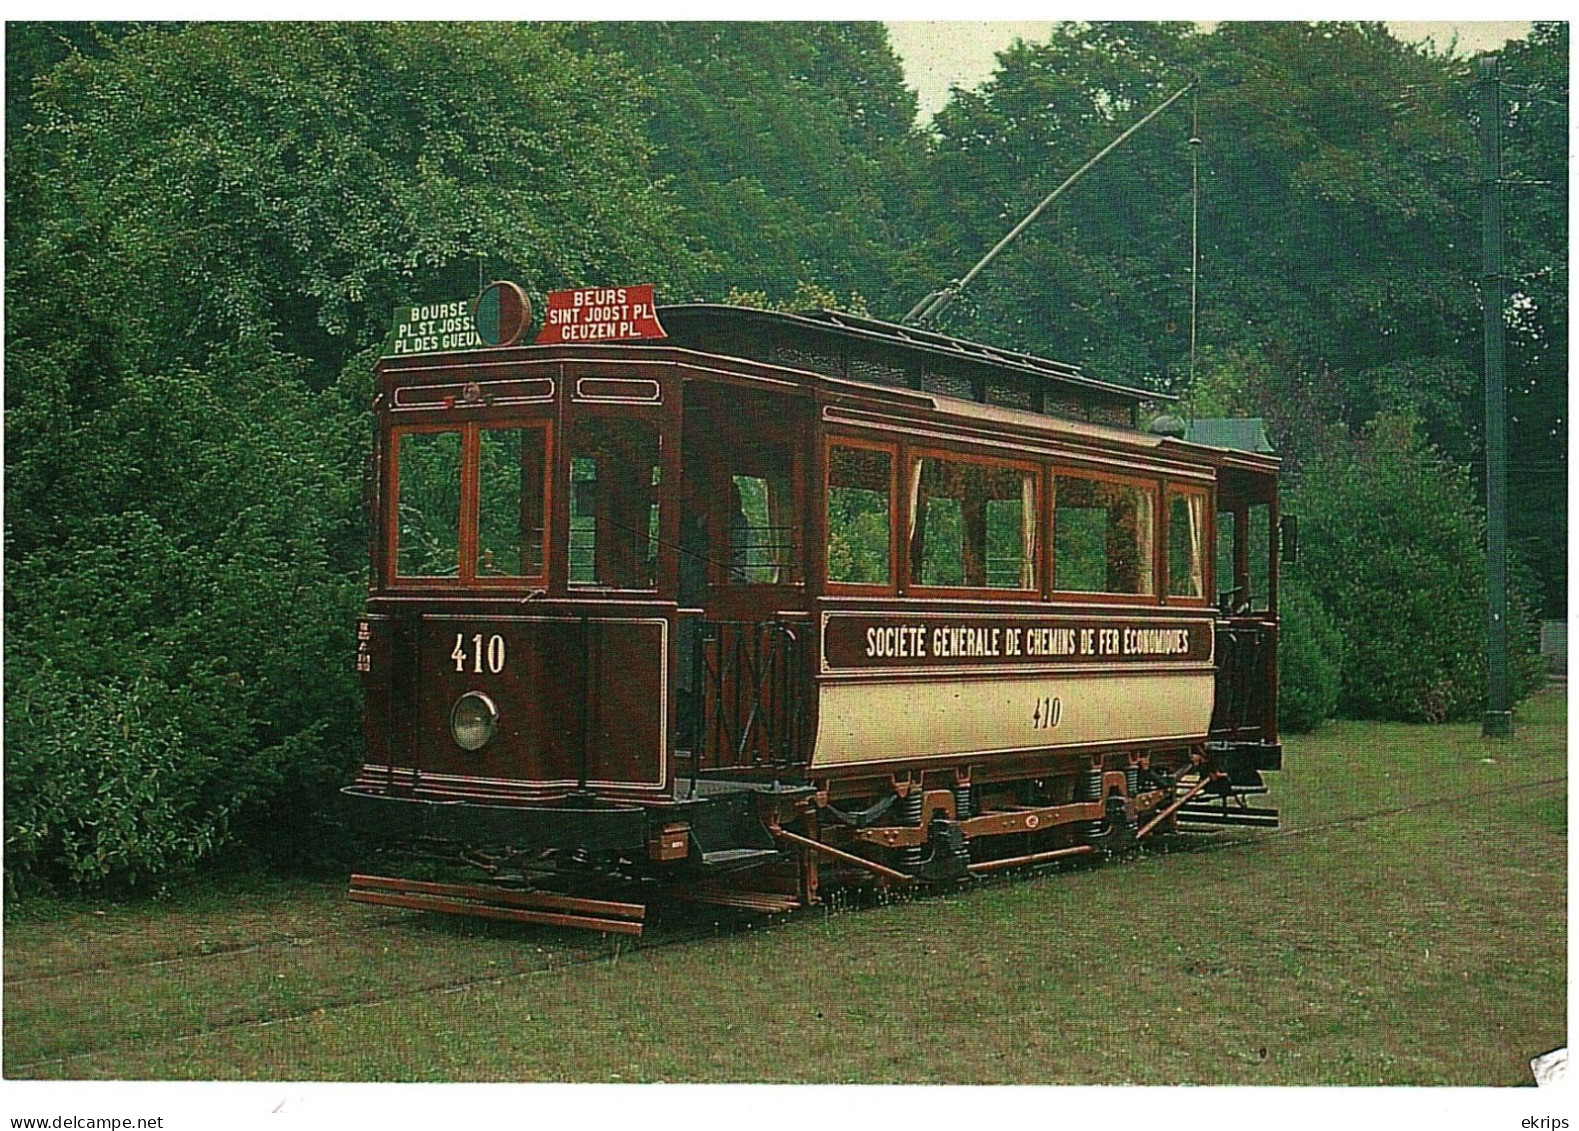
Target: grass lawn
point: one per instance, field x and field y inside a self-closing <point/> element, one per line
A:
<point x="1406" y="926"/>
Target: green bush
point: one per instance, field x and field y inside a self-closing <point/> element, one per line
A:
<point x="178" y="675"/>
<point x="102" y="785"/>
<point x="1309" y="660"/>
<point x="161" y="696"/>
<point x="1391" y="546"/>
<point x="208" y="226"/>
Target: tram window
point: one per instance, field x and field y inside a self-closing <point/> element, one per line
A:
<point x="428" y="505"/>
<point x="972" y="525"/>
<point x="1103" y="536"/>
<point x="761" y="535"/>
<point x="510" y="469"/>
<point x="613" y="503"/>
<point x="1225" y="552"/>
<point x="1259" y="527"/>
<point x="860" y="510"/>
<point x="937" y="543"/>
<point x="1186" y="547"/>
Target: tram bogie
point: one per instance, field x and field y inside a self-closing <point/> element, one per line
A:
<point x="783" y="602"/>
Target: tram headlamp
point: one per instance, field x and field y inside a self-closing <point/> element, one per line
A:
<point x="473" y="720"/>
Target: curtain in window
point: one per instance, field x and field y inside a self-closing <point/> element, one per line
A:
<point x="1145" y="535"/>
<point x="915" y="498"/>
<point x="1028" y="532"/>
<point x="1197" y="505"/>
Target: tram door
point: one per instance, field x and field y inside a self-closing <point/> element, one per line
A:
<point x="743" y="608"/>
<point x="1247" y="559"/>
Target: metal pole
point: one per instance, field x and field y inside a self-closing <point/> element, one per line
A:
<point x="933" y="304"/>
<point x="586" y="704"/>
<point x="1499" y="714"/>
<point x="1195" y="225"/>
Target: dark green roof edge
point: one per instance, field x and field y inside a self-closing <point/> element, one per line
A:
<point x="1244" y="434"/>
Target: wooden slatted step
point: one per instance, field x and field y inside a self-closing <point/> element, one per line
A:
<point x="1216" y="815"/>
<point x="738" y="857"/>
<point x="546" y="908"/>
<point x="749" y="900"/>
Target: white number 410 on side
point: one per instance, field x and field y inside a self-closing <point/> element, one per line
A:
<point x="493" y="654"/>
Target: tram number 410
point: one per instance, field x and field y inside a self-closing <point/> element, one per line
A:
<point x="1049" y="713"/>
<point x="492" y="654"/>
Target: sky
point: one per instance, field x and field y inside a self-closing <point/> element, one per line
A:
<point x="940" y="54"/>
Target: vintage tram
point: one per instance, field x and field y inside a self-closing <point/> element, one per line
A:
<point x="784" y="601"/>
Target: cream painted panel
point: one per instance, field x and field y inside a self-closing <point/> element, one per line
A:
<point x="872" y="722"/>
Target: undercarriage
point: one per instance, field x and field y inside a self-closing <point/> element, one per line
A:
<point x="772" y="847"/>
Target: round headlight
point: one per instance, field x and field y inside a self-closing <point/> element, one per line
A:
<point x="473" y="720"/>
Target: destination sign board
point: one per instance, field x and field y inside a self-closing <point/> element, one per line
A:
<point x="432" y="327"/>
<point x="600" y="314"/>
<point x="858" y="642"/>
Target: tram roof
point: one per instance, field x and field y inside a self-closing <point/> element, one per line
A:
<point x="856" y="347"/>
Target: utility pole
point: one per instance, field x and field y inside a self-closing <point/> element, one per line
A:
<point x="1499" y="713"/>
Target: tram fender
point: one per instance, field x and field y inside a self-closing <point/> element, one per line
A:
<point x="1242" y="760"/>
<point x="384" y="817"/>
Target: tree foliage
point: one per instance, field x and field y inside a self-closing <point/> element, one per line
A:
<point x="792" y="148"/>
<point x="1390" y="547"/>
<point x="1310" y="657"/>
<point x="209" y="227"/>
<point x="297" y="182"/>
<point x="1535" y="163"/>
<point x="1334" y="172"/>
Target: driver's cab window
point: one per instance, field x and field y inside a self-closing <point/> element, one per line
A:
<point x="1259" y="529"/>
<point x="762" y="528"/>
<point x="1245" y="536"/>
<point x="614" y="503"/>
<point x="739" y="524"/>
<point x="511" y="464"/>
<point x="428" y="504"/>
<point x="1227" y="586"/>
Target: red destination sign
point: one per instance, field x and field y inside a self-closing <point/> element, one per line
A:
<point x="600" y="314"/>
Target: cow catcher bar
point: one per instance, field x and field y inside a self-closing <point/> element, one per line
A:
<point x="500" y="903"/>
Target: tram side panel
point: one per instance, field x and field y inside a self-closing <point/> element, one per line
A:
<point x="895" y="687"/>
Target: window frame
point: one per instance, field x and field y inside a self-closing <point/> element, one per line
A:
<point x="1147" y="484"/>
<point x="652" y="416"/>
<point x="470" y="503"/>
<point x="862" y="588"/>
<point x="1037" y="471"/>
<point x="1208" y="544"/>
<point x="534" y="580"/>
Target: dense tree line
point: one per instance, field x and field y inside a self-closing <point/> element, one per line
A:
<point x="208" y="226"/>
<point x="1338" y="228"/>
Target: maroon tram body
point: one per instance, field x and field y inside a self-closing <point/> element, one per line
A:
<point x="785" y="600"/>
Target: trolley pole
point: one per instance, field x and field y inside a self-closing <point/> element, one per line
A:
<point x="931" y="306"/>
<point x="1499" y="714"/>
